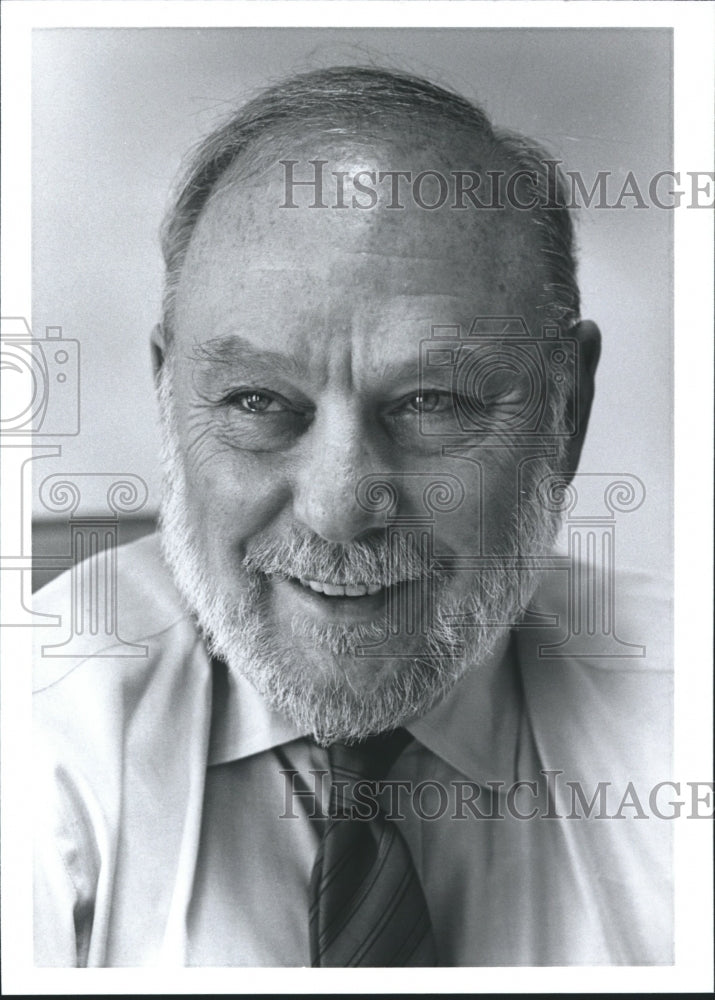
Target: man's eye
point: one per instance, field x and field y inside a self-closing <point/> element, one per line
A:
<point x="260" y="419"/>
<point x="252" y="401"/>
<point x="426" y="402"/>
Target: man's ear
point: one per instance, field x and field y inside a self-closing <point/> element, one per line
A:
<point x="158" y="345"/>
<point x="588" y="338"/>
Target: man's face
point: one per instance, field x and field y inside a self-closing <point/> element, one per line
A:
<point x="294" y="376"/>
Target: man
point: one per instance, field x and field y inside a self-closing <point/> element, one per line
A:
<point x="344" y="743"/>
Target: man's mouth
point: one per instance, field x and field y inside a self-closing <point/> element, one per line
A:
<point x="346" y="602"/>
<point x="340" y="590"/>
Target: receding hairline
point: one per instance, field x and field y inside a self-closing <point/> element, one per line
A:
<point x="375" y="129"/>
<point x="360" y="106"/>
<point x="303" y="141"/>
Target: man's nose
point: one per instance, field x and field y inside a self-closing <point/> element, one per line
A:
<point x="337" y="453"/>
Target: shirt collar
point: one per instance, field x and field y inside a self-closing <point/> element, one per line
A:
<point x="241" y="722"/>
<point x="474" y="729"/>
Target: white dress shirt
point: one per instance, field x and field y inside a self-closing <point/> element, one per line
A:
<point x="171" y="828"/>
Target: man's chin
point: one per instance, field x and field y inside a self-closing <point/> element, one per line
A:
<point x="358" y="661"/>
<point x="364" y="655"/>
<point x="355" y="700"/>
<point x="341" y="684"/>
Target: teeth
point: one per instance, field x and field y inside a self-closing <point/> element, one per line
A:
<point x="338" y="590"/>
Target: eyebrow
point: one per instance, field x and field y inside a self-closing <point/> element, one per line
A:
<point x="236" y="351"/>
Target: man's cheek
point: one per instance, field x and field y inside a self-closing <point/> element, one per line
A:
<point x="234" y="496"/>
<point x="484" y="521"/>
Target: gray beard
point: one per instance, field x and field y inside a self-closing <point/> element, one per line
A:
<point x="322" y="701"/>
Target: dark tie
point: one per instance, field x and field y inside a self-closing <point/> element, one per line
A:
<point x="367" y="903"/>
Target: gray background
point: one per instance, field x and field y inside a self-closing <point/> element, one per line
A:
<point x="114" y="110"/>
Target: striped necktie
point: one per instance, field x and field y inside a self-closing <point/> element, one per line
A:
<point x="367" y="903"/>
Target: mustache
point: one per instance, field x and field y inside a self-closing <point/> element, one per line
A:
<point x="378" y="559"/>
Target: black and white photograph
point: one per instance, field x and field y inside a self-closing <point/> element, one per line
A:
<point x="355" y="561"/>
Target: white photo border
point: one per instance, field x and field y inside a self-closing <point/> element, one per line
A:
<point x="692" y="25"/>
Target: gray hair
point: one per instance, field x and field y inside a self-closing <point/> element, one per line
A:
<point x="361" y="101"/>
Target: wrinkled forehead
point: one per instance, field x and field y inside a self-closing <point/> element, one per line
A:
<point x="371" y="215"/>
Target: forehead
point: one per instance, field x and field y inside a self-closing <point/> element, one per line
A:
<point x="255" y="263"/>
